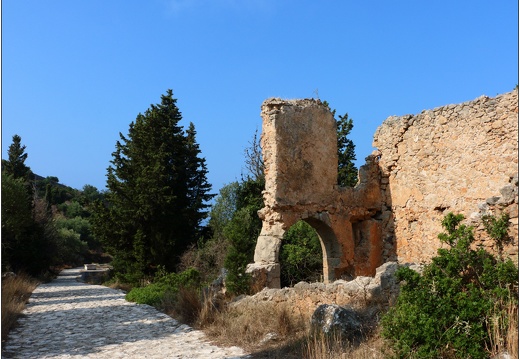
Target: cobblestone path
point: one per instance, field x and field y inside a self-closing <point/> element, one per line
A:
<point x="69" y="319"/>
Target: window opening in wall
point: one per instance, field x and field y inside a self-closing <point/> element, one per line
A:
<point x="301" y="257"/>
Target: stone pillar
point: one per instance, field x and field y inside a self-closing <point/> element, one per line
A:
<point x="299" y="147"/>
<point x="266" y="269"/>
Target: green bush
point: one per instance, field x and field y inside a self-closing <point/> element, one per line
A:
<point x="151" y="294"/>
<point x="167" y="284"/>
<point x="70" y="248"/>
<point x="241" y="233"/>
<point x="301" y="258"/>
<point x="442" y="312"/>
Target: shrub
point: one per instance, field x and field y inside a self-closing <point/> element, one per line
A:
<point x="242" y="234"/>
<point x="442" y="312"/>
<point x="151" y="294"/>
<point x="168" y="284"/>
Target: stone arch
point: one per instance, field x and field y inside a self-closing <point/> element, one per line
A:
<point x="330" y="247"/>
<point x="299" y="147"/>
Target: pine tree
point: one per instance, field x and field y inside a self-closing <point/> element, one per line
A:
<point x="347" y="171"/>
<point x="157" y="192"/>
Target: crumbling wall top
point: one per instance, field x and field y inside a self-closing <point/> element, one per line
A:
<point x="300" y="151"/>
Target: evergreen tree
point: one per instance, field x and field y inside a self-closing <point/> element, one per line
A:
<point x="197" y="184"/>
<point x="347" y="171"/>
<point x="242" y="232"/>
<point x="15" y="165"/>
<point x="157" y="193"/>
<point x="16" y="217"/>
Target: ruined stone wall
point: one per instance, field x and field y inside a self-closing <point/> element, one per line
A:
<point x="302" y="299"/>
<point x="457" y="158"/>
<point x="299" y="146"/>
<point x="300" y="163"/>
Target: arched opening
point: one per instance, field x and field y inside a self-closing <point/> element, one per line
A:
<point x="329" y="243"/>
<point x="309" y="252"/>
<point x="300" y="257"/>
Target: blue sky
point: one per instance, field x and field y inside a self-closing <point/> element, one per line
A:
<point x="76" y="73"/>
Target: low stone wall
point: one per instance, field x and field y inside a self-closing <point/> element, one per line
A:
<point x="303" y="299"/>
<point x="456" y="158"/>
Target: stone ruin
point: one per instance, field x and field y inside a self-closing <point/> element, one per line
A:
<point x="457" y="158"/>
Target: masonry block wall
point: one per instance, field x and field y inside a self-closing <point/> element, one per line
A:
<point x="299" y="145"/>
<point x="457" y="158"/>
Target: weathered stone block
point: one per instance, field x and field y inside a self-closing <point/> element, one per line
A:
<point x="333" y="319"/>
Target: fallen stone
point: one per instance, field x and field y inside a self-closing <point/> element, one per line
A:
<point x="331" y="319"/>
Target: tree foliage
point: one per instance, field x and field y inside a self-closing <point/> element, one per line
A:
<point x="210" y="251"/>
<point x="347" y="171"/>
<point x="157" y="192"/>
<point x="242" y="232"/>
<point x="16" y="217"/>
<point x="442" y="312"/>
<point x="224" y="208"/>
<point x="44" y="223"/>
<point x="301" y="257"/>
<point x="15" y="164"/>
<point x="27" y="239"/>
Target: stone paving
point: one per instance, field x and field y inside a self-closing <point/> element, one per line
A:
<point x="69" y="319"/>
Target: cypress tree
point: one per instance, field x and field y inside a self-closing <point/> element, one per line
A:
<point x="157" y="193"/>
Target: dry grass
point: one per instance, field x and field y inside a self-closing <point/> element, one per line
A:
<point x="265" y="325"/>
<point x="332" y="347"/>
<point x="16" y="291"/>
<point x="271" y="330"/>
<point x="185" y="305"/>
<point x="503" y="329"/>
